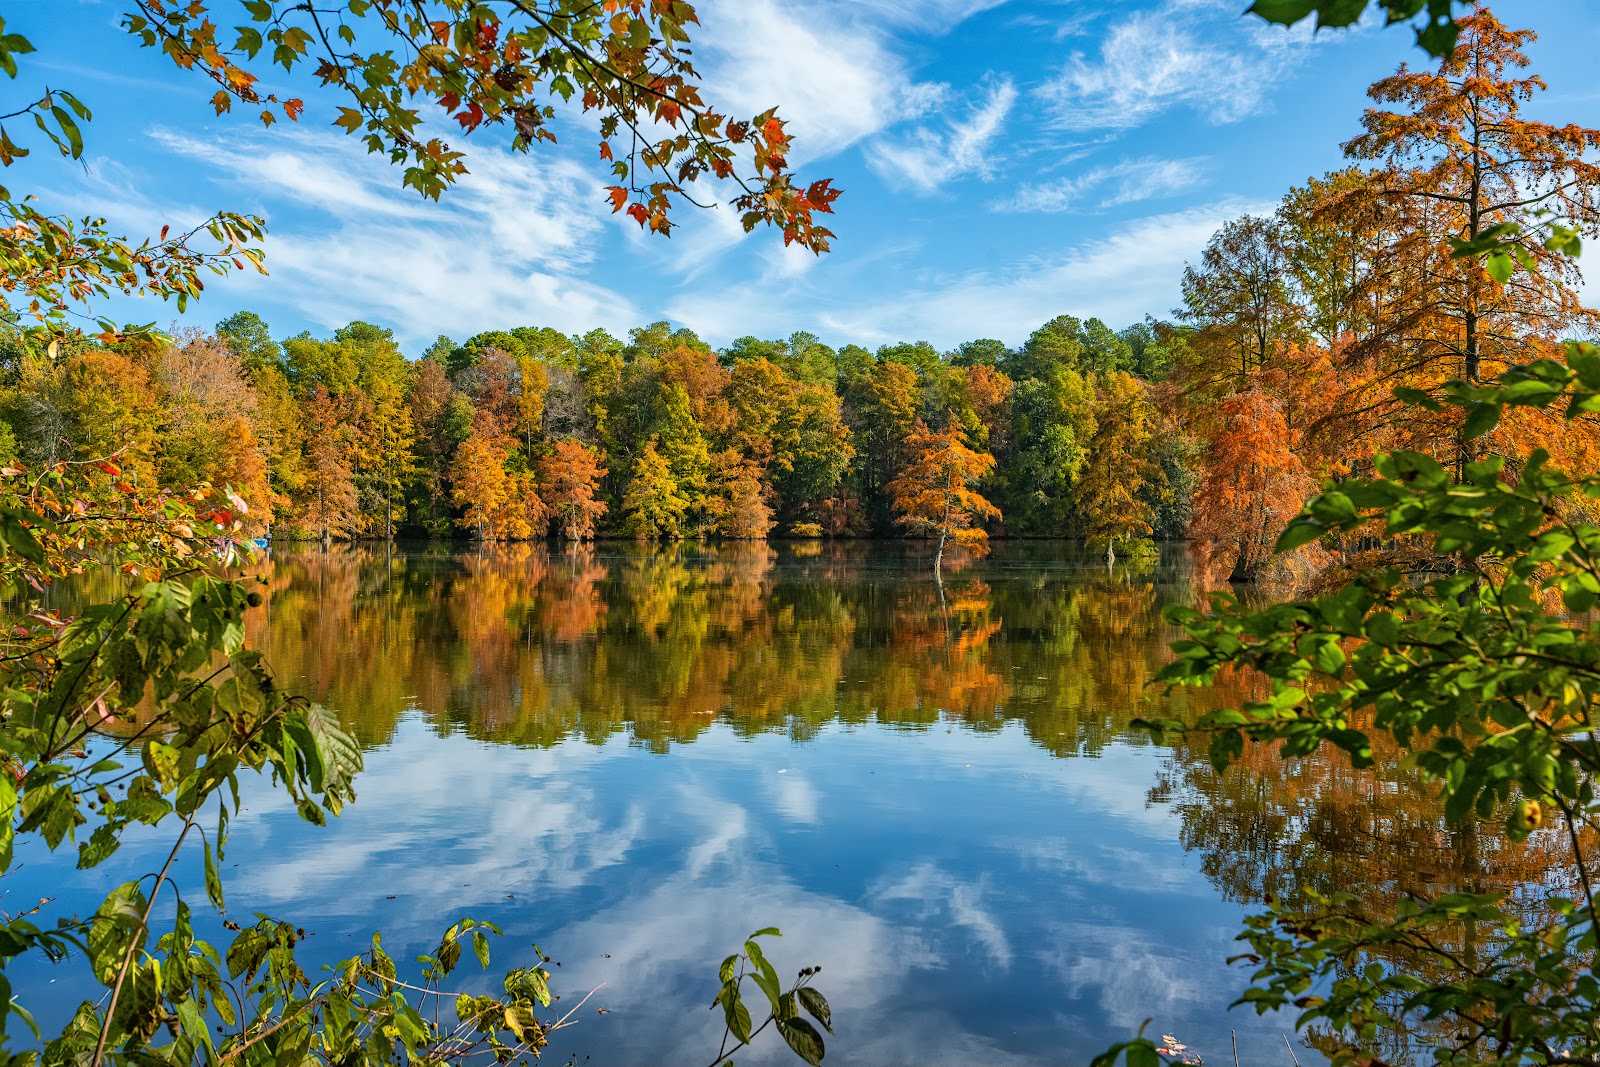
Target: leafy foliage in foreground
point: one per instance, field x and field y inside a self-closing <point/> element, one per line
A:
<point x="1485" y="667"/>
<point x="1436" y="32"/>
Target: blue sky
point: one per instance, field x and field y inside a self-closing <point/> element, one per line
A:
<point x="1003" y="161"/>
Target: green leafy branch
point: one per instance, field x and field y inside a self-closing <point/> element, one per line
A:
<point x="1434" y="19"/>
<point x="785" y="1005"/>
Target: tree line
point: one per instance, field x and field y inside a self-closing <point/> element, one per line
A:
<point x="1308" y="341"/>
<point x="526" y="432"/>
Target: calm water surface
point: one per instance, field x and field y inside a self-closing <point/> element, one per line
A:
<point x="635" y="757"/>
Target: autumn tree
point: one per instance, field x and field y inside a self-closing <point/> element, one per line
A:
<point x="653" y="507"/>
<point x="429" y="400"/>
<point x="1460" y="162"/>
<point x="327" y="502"/>
<point x="934" y="494"/>
<point x="1119" y="465"/>
<point x="499" y="504"/>
<point x="211" y="411"/>
<point x="571" y="476"/>
<point x="1251" y="484"/>
<point x="738" y="504"/>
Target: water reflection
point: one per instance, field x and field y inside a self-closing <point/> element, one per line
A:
<point x="858" y="755"/>
<point x="1268" y="829"/>
<point x="531" y="647"/>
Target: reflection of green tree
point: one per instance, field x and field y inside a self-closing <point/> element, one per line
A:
<point x="530" y="646"/>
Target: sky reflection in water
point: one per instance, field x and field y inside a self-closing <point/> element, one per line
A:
<point x="879" y="775"/>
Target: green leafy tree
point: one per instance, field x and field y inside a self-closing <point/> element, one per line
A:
<point x="248" y="335"/>
<point x="653" y="507"/>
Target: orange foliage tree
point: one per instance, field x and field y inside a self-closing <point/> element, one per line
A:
<point x="1459" y="162"/>
<point x="739" y="508"/>
<point x="328" y="495"/>
<point x="500" y="505"/>
<point x="572" y="473"/>
<point x="934" y="494"/>
<point x="1251" y="485"/>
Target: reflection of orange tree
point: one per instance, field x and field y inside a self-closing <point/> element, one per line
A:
<point x="940" y="657"/>
<point x="529" y="645"/>
<point x="1269" y="828"/>
<point x="318" y="607"/>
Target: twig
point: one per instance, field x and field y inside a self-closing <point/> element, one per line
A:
<point x="133" y="945"/>
<point x="559" y="1023"/>
<point x="1290" y="1047"/>
<point x="1235" y="1035"/>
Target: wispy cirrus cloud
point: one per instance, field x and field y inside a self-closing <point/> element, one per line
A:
<point x="1128" y="182"/>
<point x="1186" y="54"/>
<point x="517" y="236"/>
<point x="934" y="155"/>
<point x="1120" y="277"/>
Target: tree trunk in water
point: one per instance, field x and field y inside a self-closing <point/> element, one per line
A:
<point x="1111" y="552"/>
<point x="938" y="557"/>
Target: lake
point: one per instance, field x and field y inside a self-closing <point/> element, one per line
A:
<point x="635" y="757"/>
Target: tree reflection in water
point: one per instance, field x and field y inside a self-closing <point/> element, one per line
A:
<point x="531" y="646"/>
<point x="527" y="645"/>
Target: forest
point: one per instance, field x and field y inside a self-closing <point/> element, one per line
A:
<point x="1383" y="392"/>
<point x="1212" y="422"/>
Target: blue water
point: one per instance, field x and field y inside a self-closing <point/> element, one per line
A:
<point x="970" y="897"/>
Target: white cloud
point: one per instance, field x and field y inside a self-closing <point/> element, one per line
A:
<point x="834" y="66"/>
<point x="1156" y="60"/>
<point x="931" y="157"/>
<point x="1118" y="278"/>
<point x="511" y="242"/>
<point x="838" y="82"/>
<point x="943" y="899"/>
<point x="1127" y="182"/>
<point x="933" y="16"/>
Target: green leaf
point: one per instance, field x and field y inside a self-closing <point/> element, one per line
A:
<point x="116" y="930"/>
<point x="1384" y="628"/>
<point x="736" y="1014"/>
<point x="1500" y="266"/>
<point x="70" y="129"/>
<point x="1481" y="419"/>
<point x="8" y="811"/>
<point x="803" y="1038"/>
<point x="817" y="1006"/>
<point x="764" y="975"/>
<point x="480" y="948"/>
<point x="1143" y="1054"/>
<point x="1419" y="397"/>
<point x="213" y="879"/>
<point x="1283" y="12"/>
<point x="1301" y="531"/>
